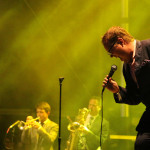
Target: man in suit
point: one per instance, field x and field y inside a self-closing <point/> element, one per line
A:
<point x="136" y="70"/>
<point x="93" y="123"/>
<point x="40" y="135"/>
<point x="92" y="127"/>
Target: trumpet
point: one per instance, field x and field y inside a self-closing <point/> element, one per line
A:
<point x="28" y="124"/>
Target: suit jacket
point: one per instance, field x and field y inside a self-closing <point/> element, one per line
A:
<point x="93" y="136"/>
<point x="134" y="93"/>
<point x="42" y="138"/>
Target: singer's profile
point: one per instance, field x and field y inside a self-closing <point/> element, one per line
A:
<point x="136" y="70"/>
<point x="39" y="135"/>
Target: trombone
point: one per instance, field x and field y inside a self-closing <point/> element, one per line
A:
<point x="26" y="125"/>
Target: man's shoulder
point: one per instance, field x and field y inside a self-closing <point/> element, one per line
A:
<point x="145" y="42"/>
<point x="100" y="118"/>
<point x="52" y="123"/>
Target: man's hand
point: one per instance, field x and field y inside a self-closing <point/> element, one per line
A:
<point x="35" y="124"/>
<point x="111" y="85"/>
<point x="30" y="122"/>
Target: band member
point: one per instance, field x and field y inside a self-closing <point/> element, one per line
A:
<point x="136" y="70"/>
<point x="88" y="134"/>
<point x="40" y="135"/>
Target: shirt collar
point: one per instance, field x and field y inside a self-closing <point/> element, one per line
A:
<point x="90" y="116"/>
<point x="134" y="48"/>
<point x="45" y="121"/>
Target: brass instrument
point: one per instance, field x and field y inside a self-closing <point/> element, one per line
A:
<point x="26" y="125"/>
<point x="75" y="129"/>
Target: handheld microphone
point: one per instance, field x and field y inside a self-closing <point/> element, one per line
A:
<point x="112" y="70"/>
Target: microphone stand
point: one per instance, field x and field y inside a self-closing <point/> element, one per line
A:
<point x="59" y="137"/>
<point x="102" y="115"/>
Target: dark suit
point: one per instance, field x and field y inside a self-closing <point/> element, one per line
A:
<point x="42" y="138"/>
<point x="93" y="136"/>
<point x="136" y="92"/>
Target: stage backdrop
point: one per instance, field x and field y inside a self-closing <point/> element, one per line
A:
<point x="43" y="40"/>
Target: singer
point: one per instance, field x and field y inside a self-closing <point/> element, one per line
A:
<point x="136" y="70"/>
<point x="41" y="135"/>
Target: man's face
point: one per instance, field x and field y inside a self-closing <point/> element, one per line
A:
<point x="121" y="50"/>
<point x="42" y="114"/>
<point x="93" y="107"/>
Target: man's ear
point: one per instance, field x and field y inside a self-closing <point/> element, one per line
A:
<point x="121" y="41"/>
<point x="48" y="113"/>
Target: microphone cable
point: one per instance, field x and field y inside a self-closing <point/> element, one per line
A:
<point x="113" y="69"/>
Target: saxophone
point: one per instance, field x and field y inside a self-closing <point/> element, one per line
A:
<point x="74" y="128"/>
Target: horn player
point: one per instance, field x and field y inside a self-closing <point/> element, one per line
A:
<point x="89" y="139"/>
<point x="41" y="135"/>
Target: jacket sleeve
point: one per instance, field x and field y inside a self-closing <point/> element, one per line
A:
<point x="130" y="94"/>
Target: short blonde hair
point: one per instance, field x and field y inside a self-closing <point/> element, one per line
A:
<point x="44" y="105"/>
<point x="113" y="34"/>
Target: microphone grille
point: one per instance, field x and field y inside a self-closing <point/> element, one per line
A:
<point x="114" y="67"/>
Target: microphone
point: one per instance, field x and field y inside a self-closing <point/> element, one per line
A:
<point x="112" y="70"/>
